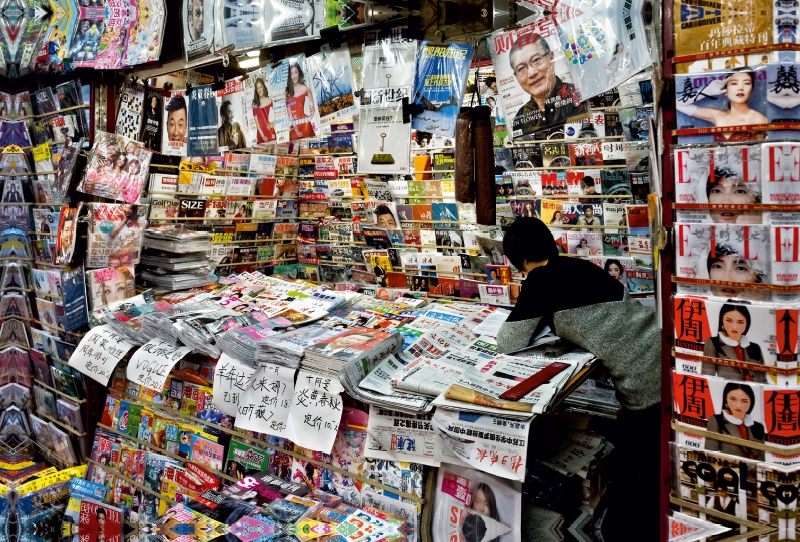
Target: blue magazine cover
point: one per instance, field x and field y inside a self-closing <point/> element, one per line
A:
<point x="203" y="122"/>
<point x="439" y="86"/>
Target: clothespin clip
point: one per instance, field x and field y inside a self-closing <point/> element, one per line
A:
<point x="333" y="36"/>
<point x="189" y="89"/>
<point x="359" y="93"/>
<point x="218" y="84"/>
<point x="410" y="109"/>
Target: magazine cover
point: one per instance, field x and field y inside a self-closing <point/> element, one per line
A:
<point x="471" y="505"/>
<point x="384" y="141"/>
<point x="303" y="114"/>
<point x="780" y="176"/>
<point x="115" y="234"/>
<point x="110" y="285"/>
<point x="152" y="122"/>
<point x="777" y="490"/>
<point x="783" y="98"/>
<point x="351" y="343"/>
<point x="203" y="123"/>
<point x="724" y="252"/>
<point x="146" y="34"/>
<point x="333" y="81"/>
<point x="114" y="38"/>
<point x="269" y="104"/>
<point x="721" y="99"/>
<point x="441" y="73"/>
<point x="242" y="24"/>
<point x="117" y="168"/>
<point x="198" y="28"/>
<point x="86" y="40"/>
<point x="131" y="108"/>
<point x="388" y="63"/>
<point x="719" y="175"/>
<point x="288" y="21"/>
<point x="175" y="122"/>
<point x="534" y="84"/>
<point x="603" y="46"/>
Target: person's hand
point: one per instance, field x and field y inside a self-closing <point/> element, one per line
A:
<point x="714" y="88"/>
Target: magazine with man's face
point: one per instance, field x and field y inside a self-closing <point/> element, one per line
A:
<point x="175" y="124"/>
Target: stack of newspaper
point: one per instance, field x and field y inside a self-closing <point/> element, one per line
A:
<point x="329" y="356"/>
<point x="478" y="388"/>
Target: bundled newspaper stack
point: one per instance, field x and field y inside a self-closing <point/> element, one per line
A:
<point x="373" y="385"/>
<point x="367" y="346"/>
<point x="287" y="348"/>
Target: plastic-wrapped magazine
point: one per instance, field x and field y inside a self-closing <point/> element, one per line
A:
<point x="441" y="74"/>
<point x="333" y="81"/>
<point x="241" y="23"/>
<point x="114" y="37"/>
<point x="131" y="109"/>
<point x="117" y="168"/>
<point x="198" y="30"/>
<point x="115" y="234"/>
<point x="616" y="47"/>
<point x="303" y="114"/>
<point x="175" y="123"/>
<point x="145" y="38"/>
<point x="110" y="285"/>
<point x="475" y="506"/>
<point x="177" y="239"/>
<point x="234" y="132"/>
<point x="14" y="133"/>
<point x="86" y="40"/>
<point x="288" y="21"/>
<point x="533" y="80"/>
<point x="67" y="233"/>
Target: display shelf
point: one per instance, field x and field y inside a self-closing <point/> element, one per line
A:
<point x="265" y="445"/>
<point x="783" y="207"/>
<point x="755" y="529"/>
<point x="771" y="369"/>
<point x="61" y="393"/>
<point x="733" y="440"/>
<point x="132" y="482"/>
<point x="167" y="453"/>
<point x="62" y="425"/>
<point x="748" y="285"/>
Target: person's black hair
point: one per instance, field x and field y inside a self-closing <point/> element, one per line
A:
<point x="587" y="206"/>
<point x="223" y="111"/>
<point x="535" y="38"/>
<point x="474" y="528"/>
<point x="301" y="78"/>
<point x="176" y="103"/>
<point x="612" y="261"/>
<point x="489" y="80"/>
<point x="528" y="239"/>
<point x="733" y="386"/>
<point x="728" y="307"/>
<point x="100" y="511"/>
<point x="383" y="210"/>
<point x="587" y="181"/>
<point x="256" y="97"/>
<point x="724" y="249"/>
<point x="721" y="173"/>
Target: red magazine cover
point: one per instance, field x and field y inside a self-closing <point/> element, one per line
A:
<point x="98" y="519"/>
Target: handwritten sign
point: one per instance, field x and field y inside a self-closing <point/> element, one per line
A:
<point x="264" y="405"/>
<point x="231" y="378"/>
<point x="99" y="352"/>
<point x="316" y="412"/>
<point x="151" y="364"/>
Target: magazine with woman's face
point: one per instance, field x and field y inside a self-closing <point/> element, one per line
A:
<point x="729" y="99"/>
<point x="115" y="234"/>
<point x="473" y="506"/>
<point x="724" y="252"/>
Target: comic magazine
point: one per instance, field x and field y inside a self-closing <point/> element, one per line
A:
<point x="86" y="40"/>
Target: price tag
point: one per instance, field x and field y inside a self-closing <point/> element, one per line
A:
<point x="99" y="352"/>
<point x="151" y="364"/>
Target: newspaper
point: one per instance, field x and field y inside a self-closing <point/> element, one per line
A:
<point x="488" y="443"/>
<point x="354" y="372"/>
<point x="492" y="323"/>
<point x="399" y="436"/>
<point x="432" y="377"/>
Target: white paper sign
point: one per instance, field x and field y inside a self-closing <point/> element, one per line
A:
<point x="316" y="412"/>
<point x="231" y="378"/>
<point x="99" y="352"/>
<point x="151" y="364"/>
<point x="264" y="405"/>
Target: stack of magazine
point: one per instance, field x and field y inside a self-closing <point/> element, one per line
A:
<point x="287" y="349"/>
<point x="594" y="397"/>
<point x="367" y="346"/>
<point x="175" y="258"/>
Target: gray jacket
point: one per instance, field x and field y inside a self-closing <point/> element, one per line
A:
<point x="623" y="334"/>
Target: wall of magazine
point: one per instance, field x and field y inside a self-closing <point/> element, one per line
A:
<point x="736" y="226"/>
<point x="177" y="269"/>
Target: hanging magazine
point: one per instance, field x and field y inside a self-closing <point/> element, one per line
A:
<point x="233" y="132"/>
<point x="115" y="234"/>
<point x="333" y="81"/>
<point x="175" y="125"/>
<point x="152" y="121"/>
<point x="198" y="28"/>
<point x="117" y="168"/>
<point x="86" y="41"/>
<point x="533" y="80"/>
<point x="299" y="100"/>
<point x="203" y="122"/>
<point x="131" y="107"/>
<point x="265" y="113"/>
<point x="440" y="79"/>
